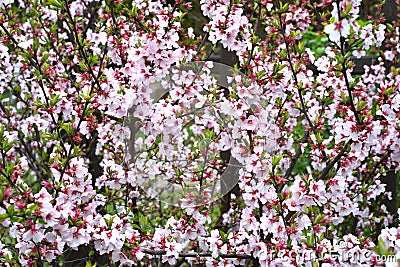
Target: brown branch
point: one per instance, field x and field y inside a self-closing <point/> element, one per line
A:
<point x="288" y="58"/>
<point x="197" y="254"/>
<point x="344" y="72"/>
<point x="95" y="77"/>
<point x="335" y="160"/>
<point x="296" y="156"/>
<point x="37" y="66"/>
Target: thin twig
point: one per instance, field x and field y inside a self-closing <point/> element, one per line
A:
<point x="288" y="58"/>
<point x="197" y="254"/>
<point x="335" y="160"/>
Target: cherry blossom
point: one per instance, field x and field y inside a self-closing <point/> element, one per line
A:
<point x="108" y="109"/>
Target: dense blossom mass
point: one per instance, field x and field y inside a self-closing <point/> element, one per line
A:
<point x="86" y="133"/>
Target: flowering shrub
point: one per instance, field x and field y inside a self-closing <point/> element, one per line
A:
<point x="311" y="146"/>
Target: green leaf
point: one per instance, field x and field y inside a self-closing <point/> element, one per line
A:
<point x="319" y="138"/>
<point x="10" y="210"/>
<point x="70" y="221"/>
<point x="276" y="160"/>
<point x="283" y="53"/>
<point x="35" y="45"/>
<point x="347" y="11"/>
<point x="361" y="105"/>
<point x="300" y="46"/>
<point x="223" y="235"/>
<point x="54" y="100"/>
<point x="1" y="132"/>
<point x="67" y="126"/>
<point x="55" y="3"/>
<point x="319" y="218"/>
<point x="296" y="66"/>
<point x="137" y="227"/>
<point x="380" y="249"/>
<point x="143" y="221"/>
<point x="3" y="216"/>
<point x="284" y="7"/>
<point x="83" y="66"/>
<point x="310" y="240"/>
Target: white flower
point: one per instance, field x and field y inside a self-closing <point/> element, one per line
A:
<point x="26" y="44"/>
<point x="35" y="233"/>
<point x="340" y="29"/>
<point x="334" y="35"/>
<point x="5" y="2"/>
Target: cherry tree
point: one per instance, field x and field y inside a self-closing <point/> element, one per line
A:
<point x="120" y="146"/>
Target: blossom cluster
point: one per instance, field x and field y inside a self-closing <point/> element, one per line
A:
<point x="114" y="127"/>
